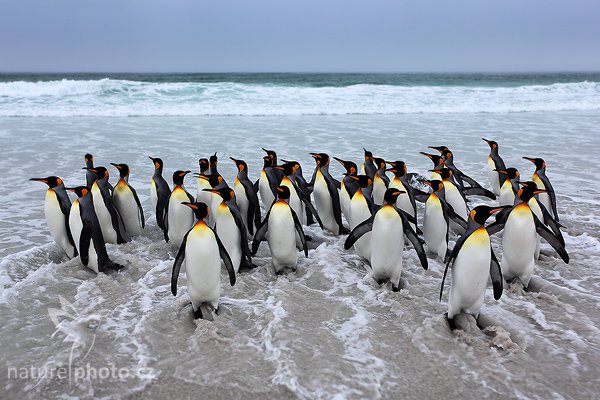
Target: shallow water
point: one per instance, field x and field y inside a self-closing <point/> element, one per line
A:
<point x="327" y="330"/>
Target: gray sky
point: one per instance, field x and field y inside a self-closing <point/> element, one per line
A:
<point x="307" y="35"/>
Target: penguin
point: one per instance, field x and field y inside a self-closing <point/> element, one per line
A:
<point x="246" y="198"/>
<point x="327" y="198"/>
<point x="278" y="175"/>
<point x="201" y="195"/>
<point x="202" y="251"/>
<point x="471" y="261"/>
<point x="179" y="218"/>
<point x="380" y="181"/>
<point x="90" y="177"/>
<point x="494" y="163"/>
<point x="282" y="224"/>
<point x="348" y="186"/>
<point x="388" y="228"/>
<point x="436" y="219"/>
<point x="216" y="182"/>
<point x="548" y="199"/>
<point x="56" y="210"/>
<point x="361" y="209"/>
<point x="128" y="203"/>
<point x="159" y="193"/>
<point x="230" y="227"/>
<point x="87" y="233"/>
<point x="111" y="221"/>
<point x="519" y="240"/>
<point x="368" y="166"/>
<point x="306" y="190"/>
<point x="438" y="163"/>
<point x="460" y="177"/>
<point x="267" y="182"/>
<point x="455" y="198"/>
<point x="401" y="181"/>
<point x="510" y="187"/>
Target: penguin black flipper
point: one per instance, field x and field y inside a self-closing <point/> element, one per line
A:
<point x="501" y="218"/>
<point x="496" y="275"/>
<point x="65" y="207"/>
<point x="261" y="232"/>
<point x="308" y="205"/>
<point x="115" y="215"/>
<point x="190" y="197"/>
<point x="300" y="231"/>
<point x="165" y="219"/>
<point x="335" y="203"/>
<point x="226" y="259"/>
<point x="84" y="243"/>
<point x="358" y="232"/>
<point x="239" y="222"/>
<point x="552" y="223"/>
<point x="412" y="236"/>
<point x="420" y="195"/>
<point x="453" y="215"/>
<point x="469" y="180"/>
<point x="273" y="178"/>
<point x="551" y="193"/>
<point x="162" y="203"/>
<point x="452" y="256"/>
<point x="479" y="191"/>
<point x="139" y="205"/>
<point x="253" y="216"/>
<point x="177" y="264"/>
<point x="550" y="238"/>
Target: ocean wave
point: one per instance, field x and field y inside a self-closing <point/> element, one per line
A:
<point x="112" y="97"/>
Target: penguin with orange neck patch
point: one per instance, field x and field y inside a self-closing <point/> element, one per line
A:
<point x="327" y="198"/>
<point x="348" y="186"/>
<point x="246" y="197"/>
<point x="548" y="199"/>
<point x="495" y="163"/>
<point x="159" y="193"/>
<point x="178" y="218"/>
<point x="128" y="203"/>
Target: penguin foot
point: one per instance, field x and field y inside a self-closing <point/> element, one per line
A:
<point x="450" y="321"/>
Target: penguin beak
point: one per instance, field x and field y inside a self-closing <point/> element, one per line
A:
<point x="90" y="169"/>
<point x="279" y="167"/>
<point x="203" y="177"/>
<point x="39" y="180"/>
<point x="495" y="210"/>
<point x="391" y="170"/>
<point x="190" y="205"/>
<point x="215" y="191"/>
<point x="485" y="140"/>
<point x="501" y="171"/>
<point x="353" y="177"/>
<point x="280" y="189"/>
<point x="426" y="154"/>
<point x="117" y="166"/>
<point x="234" y="160"/>
<point x="529" y="159"/>
<point x="538" y="191"/>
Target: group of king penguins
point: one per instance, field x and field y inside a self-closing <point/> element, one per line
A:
<point x="378" y="202"/>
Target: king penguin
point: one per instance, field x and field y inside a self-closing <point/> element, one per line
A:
<point x="455" y="198"/>
<point x="495" y="162"/>
<point x="361" y="209"/>
<point x="401" y="181"/>
<point x="87" y="233"/>
<point x="368" y="166"/>
<point x="388" y="228"/>
<point x="179" y="218"/>
<point x="201" y="195"/>
<point x="548" y="199"/>
<point x="202" y="251"/>
<point x="159" y="193"/>
<point x="510" y="187"/>
<point x="472" y="260"/>
<point x="282" y="224"/>
<point x="348" y="186"/>
<point x="127" y="202"/>
<point x="380" y="181"/>
<point x="327" y="198"/>
<point x="56" y="210"/>
<point x="438" y="163"/>
<point x="246" y="197"/>
<point x="267" y="182"/>
<point x="90" y="177"/>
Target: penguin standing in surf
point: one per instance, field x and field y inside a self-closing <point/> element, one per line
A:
<point x="361" y="209"/>
<point x="368" y="166"/>
<point x="327" y="198"/>
<point x="510" y="187"/>
<point x="202" y="251"/>
<point x="348" y="186"/>
<point x="159" y="193"/>
<point x="380" y="181"/>
<point x="127" y="202"/>
<point x="57" y="206"/>
<point x="471" y="261"/>
<point x="179" y="218"/>
<point x="201" y="195"/>
<point x="87" y="233"/>
<point x="455" y="198"/>
<point x="90" y="177"/>
<point x="495" y="163"/>
<point x="460" y="177"/>
<point x="401" y="181"/>
<point x="388" y="228"/>
<point x="282" y="224"/>
<point x="246" y="198"/>
<point x="548" y="199"/>
<point x="267" y="182"/>
<point x="438" y="163"/>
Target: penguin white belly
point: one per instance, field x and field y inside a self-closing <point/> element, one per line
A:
<point x="518" y="245"/>
<point x="282" y="237"/>
<point x="76" y="226"/>
<point x="229" y="234"/>
<point x="296" y="205"/>
<point x="359" y="212"/>
<point x="493" y="175"/>
<point x="128" y="208"/>
<point x="243" y="204"/>
<point x="543" y="198"/>
<point x="457" y="202"/>
<point x="56" y="223"/>
<point x="378" y="190"/>
<point x="203" y="267"/>
<point x="345" y="201"/>
<point x="403" y="200"/>
<point x="264" y="189"/>
<point x="108" y="232"/>
<point x="434" y="227"/>
<point x="470" y="275"/>
<point x="387" y="245"/>
<point x="507" y="196"/>
<point x="535" y="207"/>
<point x="181" y="218"/>
<point x="153" y="194"/>
<point x="323" y="204"/>
<point x="201" y="195"/>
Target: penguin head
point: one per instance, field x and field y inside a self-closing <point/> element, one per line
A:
<point x="51" y="181"/>
<point x="379" y="162"/>
<point x="363" y="180"/>
<point x="213" y="160"/>
<point x="123" y="169"/>
<point x="528" y="190"/>
<point x="437" y="160"/>
<point x="89" y="160"/>
<point x="267" y="162"/>
<point x="436" y="185"/>
<point x="100" y="172"/>
<point x="240" y="164"/>
<point x="493" y="145"/>
<point x="480" y="214"/>
<point x="445" y="173"/>
<point x="296" y="167"/>
<point x="398" y="168"/>
<point x="80" y="191"/>
<point x="322" y="159"/>
<point x="350" y="166"/>
<point x="158" y="163"/>
<point x="368" y="154"/>
<point x="178" y="177"/>
<point x="203" y="163"/>
<point x="441" y="149"/>
<point x="391" y="195"/>
<point x="214" y="180"/>
<point x="511" y="173"/>
<point x="200" y="209"/>
<point x="272" y="156"/>
<point x="283" y="192"/>
<point x="539" y="162"/>
<point x="225" y="192"/>
<point x="289" y="168"/>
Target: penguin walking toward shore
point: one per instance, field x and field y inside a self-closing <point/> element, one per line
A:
<point x="361" y="209"/>
<point x="471" y="261"/>
<point x="215" y="181"/>
<point x="202" y="251"/>
<point x="348" y="186"/>
<point x="520" y="236"/>
<point x="159" y="193"/>
<point x="327" y="198"/>
<point x="201" y="195"/>
<point x="90" y="177"/>
<point x="306" y="190"/>
<point x="282" y="224"/>
<point x="438" y="163"/>
<point x="388" y="228"/>
<point x="368" y="166"/>
<point x="179" y="218"/>
<point x="230" y="227"/>
<point x="455" y="198"/>
<point x="57" y="206"/>
<point x="87" y="233"/>
<point x="495" y="163"/>
<point x="548" y="199"/>
<point x="267" y="182"/>
<point x="460" y="177"/>
<point x="111" y="221"/>
<point x="128" y="203"/>
<point x="401" y="181"/>
<point x="510" y="187"/>
<point x="380" y="181"/>
<point x="246" y="198"/>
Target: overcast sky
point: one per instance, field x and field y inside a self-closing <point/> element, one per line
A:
<point x="302" y="36"/>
